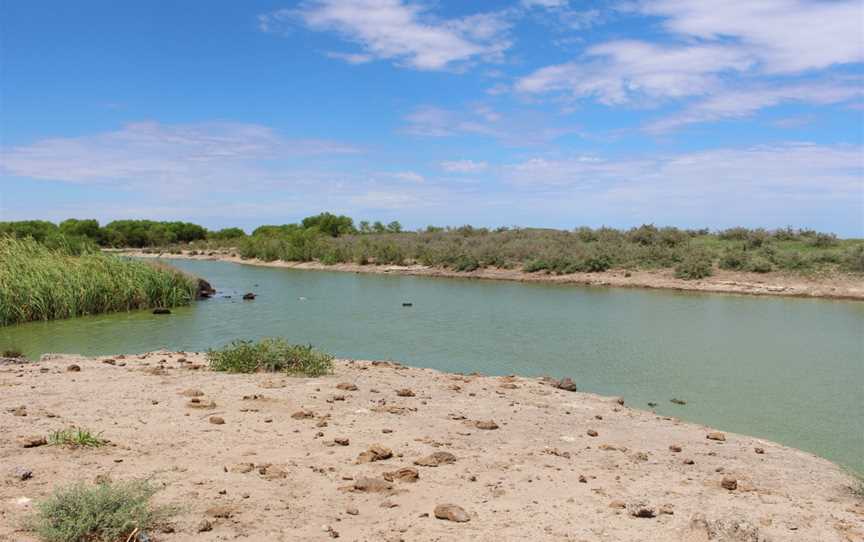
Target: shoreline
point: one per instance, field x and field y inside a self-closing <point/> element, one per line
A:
<point x="286" y="460"/>
<point x="723" y="282"/>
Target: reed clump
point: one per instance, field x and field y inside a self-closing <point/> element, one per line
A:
<point x="42" y="283"/>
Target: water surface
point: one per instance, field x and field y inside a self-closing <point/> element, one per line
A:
<point x="790" y="370"/>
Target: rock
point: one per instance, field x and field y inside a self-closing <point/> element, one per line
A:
<point x="243" y="468"/>
<point x="161" y="310"/>
<point x="205" y="290"/>
<point x="759" y="451"/>
<point x="272" y="472"/>
<point x="342" y="441"/>
<point x="689" y="462"/>
<point x="716" y="435"/>
<point x="204" y="526"/>
<point x="674" y="448"/>
<point x="372" y="485"/>
<point x="566" y="384"/>
<point x="435" y="459"/>
<point x="303" y="414"/>
<point x="641" y="510"/>
<point x="619" y="505"/>
<point x="217" y="420"/>
<point x="22" y="473"/>
<point x="193" y="393"/>
<point x="220" y="511"/>
<point x="592" y="433"/>
<point x="18" y="411"/>
<point x="74" y="368"/>
<point x="248" y="296"/>
<point x="729" y="483"/>
<point x="352" y="511"/>
<point x="667" y="509"/>
<point x="451" y="512"/>
<point x="407" y="304"/>
<point x="376" y="452"/>
<point x="677" y="401"/>
<point x="33" y="441"/>
<point x="487" y="425"/>
<point x="406" y="474"/>
<point x="347" y="386"/>
<point x="405" y="392"/>
<point x="197" y="402"/>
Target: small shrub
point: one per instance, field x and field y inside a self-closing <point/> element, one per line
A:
<point x="853" y="260"/>
<point x="734" y="260"/>
<point x="11" y="353"/>
<point x="76" y="437"/>
<point x="270" y="355"/>
<point x="466" y="263"/>
<point x="760" y="264"/>
<point x="696" y="265"/>
<point x="824" y="240"/>
<point x="108" y="512"/>
<point x="535" y="265"/>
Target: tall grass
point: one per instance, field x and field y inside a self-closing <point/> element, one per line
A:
<point x="42" y="283"/>
<point x="270" y="355"/>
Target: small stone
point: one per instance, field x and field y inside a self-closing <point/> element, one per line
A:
<point x="224" y="512"/>
<point x="405" y="392"/>
<point x="217" y="420"/>
<point x="242" y="468"/>
<point x="689" y="461"/>
<point x="582" y="479"/>
<point x="566" y="384"/>
<point x="435" y="459"/>
<point x="667" y="509"/>
<point x="716" y="435"/>
<point x="729" y="483"/>
<point x="406" y="474"/>
<point x="302" y="414"/>
<point x="677" y="401"/>
<point x="248" y="296"/>
<point x="74" y="368"/>
<point x="592" y="433"/>
<point x="487" y="424"/>
<point x="617" y="504"/>
<point x="32" y="442"/>
<point x="22" y="473"/>
<point x="451" y="512"/>
<point x="372" y="485"/>
<point x="641" y="510"/>
<point x="342" y="441"/>
<point x="347" y="386"/>
<point x="759" y="451"/>
<point x="674" y="448"/>
<point x="376" y="452"/>
<point x="205" y="526"/>
<point x="388" y="504"/>
<point x="352" y="511"/>
<point x="193" y="393"/>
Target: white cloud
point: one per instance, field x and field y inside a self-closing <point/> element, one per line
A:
<point x="168" y="156"/>
<point x="545" y="3"/>
<point x="787" y="36"/>
<point x="742" y="102"/>
<point x="625" y="71"/>
<point x="404" y="33"/>
<point x="463" y="166"/>
<point x="351" y="58"/>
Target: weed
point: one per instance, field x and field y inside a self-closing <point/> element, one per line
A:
<point x="270" y="355"/>
<point x="76" y="437"/>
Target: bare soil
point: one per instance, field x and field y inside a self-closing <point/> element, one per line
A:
<point x="274" y="458"/>
<point x="835" y="286"/>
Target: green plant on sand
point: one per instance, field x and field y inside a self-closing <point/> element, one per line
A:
<point x="76" y="437"/>
<point x="270" y="355"/>
<point x="107" y="512"/>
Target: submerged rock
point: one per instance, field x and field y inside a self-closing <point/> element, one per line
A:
<point x="205" y="290"/>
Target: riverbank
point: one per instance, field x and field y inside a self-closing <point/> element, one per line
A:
<point x="731" y="282"/>
<point x="352" y="453"/>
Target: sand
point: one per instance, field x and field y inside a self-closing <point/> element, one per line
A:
<point x="836" y="286"/>
<point x="291" y="460"/>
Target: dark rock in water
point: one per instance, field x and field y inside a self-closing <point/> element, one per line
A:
<point x="249" y="296"/>
<point x="678" y="401"/>
<point x="205" y="290"/>
<point x="566" y="384"/>
<point x="161" y="310"/>
<point x="407" y="304"/>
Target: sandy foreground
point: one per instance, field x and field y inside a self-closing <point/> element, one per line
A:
<point x="352" y="456"/>
<point x="733" y="282"/>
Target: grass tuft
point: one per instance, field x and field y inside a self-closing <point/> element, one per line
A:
<point x="76" y="437"/>
<point x="41" y="283"/>
<point x="11" y="353"/>
<point x="108" y="512"/>
<point x="270" y="355"/>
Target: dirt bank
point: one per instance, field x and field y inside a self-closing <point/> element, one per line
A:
<point x="291" y="460"/>
<point x="777" y="284"/>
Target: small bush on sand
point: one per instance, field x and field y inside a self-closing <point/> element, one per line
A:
<point x="76" y="437"/>
<point x="853" y="260"/>
<point x="695" y="265"/>
<point x="108" y="512"/>
<point x="270" y="355"/>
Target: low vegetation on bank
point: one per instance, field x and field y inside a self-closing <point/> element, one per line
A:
<point x="106" y="512"/>
<point x="272" y="355"/>
<point x="333" y="239"/>
<point x="42" y="283"/>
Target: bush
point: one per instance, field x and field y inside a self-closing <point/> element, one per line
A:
<point x="76" y="437"/>
<point x="696" y="265"/>
<point x="824" y="240"/>
<point x="270" y="355"/>
<point x="853" y="260"/>
<point x="466" y="263"/>
<point x="734" y="260"/>
<point x="760" y="264"/>
<point x="108" y="512"/>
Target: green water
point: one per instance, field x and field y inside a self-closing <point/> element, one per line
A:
<point x="789" y="370"/>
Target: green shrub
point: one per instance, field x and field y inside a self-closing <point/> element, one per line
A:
<point x="76" y="437"/>
<point x="108" y="512"/>
<point x="466" y="263"/>
<point x="760" y="264"/>
<point x="11" y="353"/>
<point x="696" y="265"/>
<point x="734" y="259"/>
<point x="270" y="355"/>
<point x="853" y="260"/>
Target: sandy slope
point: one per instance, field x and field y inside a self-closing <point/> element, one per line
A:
<point x="834" y="287"/>
<point x="269" y="474"/>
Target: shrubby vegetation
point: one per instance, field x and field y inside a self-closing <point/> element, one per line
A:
<point x="106" y="512"/>
<point x="270" y="355"/>
<point x="38" y="282"/>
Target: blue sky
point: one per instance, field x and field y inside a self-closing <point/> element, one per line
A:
<point x="528" y="112"/>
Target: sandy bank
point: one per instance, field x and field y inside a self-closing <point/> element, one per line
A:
<point x="284" y="464"/>
<point x="776" y="284"/>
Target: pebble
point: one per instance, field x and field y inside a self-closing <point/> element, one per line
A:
<point x="204" y="526"/>
<point x="376" y="452"/>
<point x="74" y="368"/>
<point x="405" y="392"/>
<point x="716" y="435"/>
<point x="592" y="433"/>
<point x="729" y="483"/>
<point x="674" y="448"/>
<point x="216" y="420"/>
<point x="352" y="511"/>
<point x="488" y="425"/>
<point x="342" y="441"/>
<point x="435" y="459"/>
<point x="22" y="473"/>
<point x="451" y="512"/>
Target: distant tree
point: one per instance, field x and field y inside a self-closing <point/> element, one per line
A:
<point x="365" y="227"/>
<point x="83" y="228"/>
<point x="39" y="230"/>
<point x="226" y="233"/>
<point x="330" y="224"/>
<point x="394" y="227"/>
<point x="378" y="227"/>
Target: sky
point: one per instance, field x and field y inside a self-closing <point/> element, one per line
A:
<point x="547" y="113"/>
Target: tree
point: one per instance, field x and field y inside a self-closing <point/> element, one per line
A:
<point x="394" y="227"/>
<point x="330" y="224"/>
